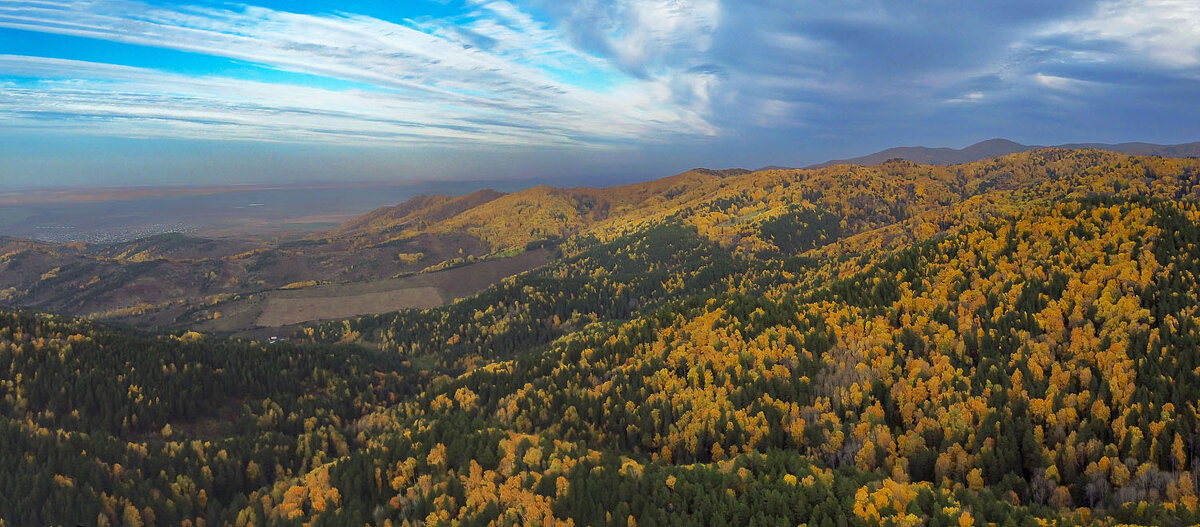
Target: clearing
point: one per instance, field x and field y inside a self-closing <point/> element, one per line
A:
<point x="278" y="308"/>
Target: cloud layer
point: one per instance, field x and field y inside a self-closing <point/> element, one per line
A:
<point x="484" y="76"/>
<point x="718" y="81"/>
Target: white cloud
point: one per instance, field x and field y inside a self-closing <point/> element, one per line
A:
<point x="653" y="28"/>
<point x="661" y="41"/>
<point x="425" y="81"/>
<point x="122" y="100"/>
<point x="1166" y="32"/>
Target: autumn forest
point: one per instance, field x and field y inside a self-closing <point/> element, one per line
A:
<point x="1012" y="341"/>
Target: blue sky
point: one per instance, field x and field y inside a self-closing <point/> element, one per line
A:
<point x="118" y="92"/>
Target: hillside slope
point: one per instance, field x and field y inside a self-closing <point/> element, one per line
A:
<point x="1015" y="369"/>
<point x="416" y="213"/>
<point x="1027" y="352"/>
<point x="543" y="213"/>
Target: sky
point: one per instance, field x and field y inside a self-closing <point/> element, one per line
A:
<point x="142" y="92"/>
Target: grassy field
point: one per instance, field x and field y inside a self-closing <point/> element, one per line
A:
<point x="282" y="311"/>
<point x="277" y="308"/>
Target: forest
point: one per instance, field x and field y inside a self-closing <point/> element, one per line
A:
<point x="1014" y="341"/>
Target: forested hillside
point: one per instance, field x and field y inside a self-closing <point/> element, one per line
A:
<point x="1013" y="341"/>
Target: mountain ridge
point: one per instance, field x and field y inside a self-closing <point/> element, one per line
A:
<point x="222" y="284"/>
<point x="1000" y="146"/>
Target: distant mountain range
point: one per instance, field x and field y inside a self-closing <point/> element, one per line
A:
<point x="1000" y="147"/>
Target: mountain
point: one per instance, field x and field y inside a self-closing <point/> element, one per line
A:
<point x="999" y="147"/>
<point x="367" y="265"/>
<point x="1013" y="341"/>
<point x="935" y="156"/>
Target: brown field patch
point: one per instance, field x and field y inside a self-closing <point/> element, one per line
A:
<point x="281" y="311"/>
<point x="339" y="301"/>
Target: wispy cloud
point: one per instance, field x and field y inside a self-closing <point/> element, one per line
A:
<point x="122" y="100"/>
<point x="485" y="79"/>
